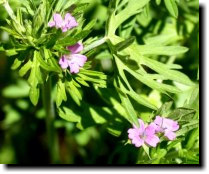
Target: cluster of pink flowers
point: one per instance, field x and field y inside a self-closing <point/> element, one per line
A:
<point x="69" y="22"/>
<point x="148" y="133"/>
<point x="73" y="60"/>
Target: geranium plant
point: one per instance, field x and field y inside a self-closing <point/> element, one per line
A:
<point x="128" y="63"/>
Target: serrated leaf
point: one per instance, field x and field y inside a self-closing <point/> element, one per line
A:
<point x="172" y="7"/>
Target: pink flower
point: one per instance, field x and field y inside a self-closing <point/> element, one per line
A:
<point x="166" y="126"/>
<point x="74" y="61"/>
<point x="66" y="24"/>
<point x="144" y="134"/>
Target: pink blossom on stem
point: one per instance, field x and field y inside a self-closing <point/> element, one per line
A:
<point x="143" y="134"/>
<point x="66" y="24"/>
<point x="166" y="126"/>
<point x="74" y="60"/>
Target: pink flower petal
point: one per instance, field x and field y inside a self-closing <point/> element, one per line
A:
<point x="137" y="141"/>
<point x="132" y="133"/>
<point x="70" y="21"/>
<point x="158" y="120"/>
<point x="63" y="63"/>
<point x="150" y="129"/>
<point x="58" y="20"/>
<point x="152" y="140"/>
<point x="170" y="135"/>
<point x="76" y="48"/>
<point x="51" y="24"/>
<point x="170" y="124"/>
<point x="64" y="29"/>
<point x="74" y="68"/>
<point x="79" y="59"/>
<point x="142" y="126"/>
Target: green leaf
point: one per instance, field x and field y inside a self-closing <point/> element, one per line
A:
<point x="80" y="8"/>
<point x="68" y="4"/>
<point x="45" y="65"/>
<point x="161" y="50"/>
<point x="147" y="11"/>
<point x="158" y="2"/>
<point x="95" y="77"/>
<point x="35" y="77"/>
<point x="187" y="127"/>
<point x="28" y="8"/>
<point x="74" y="92"/>
<point x="146" y="149"/>
<point x="164" y="70"/>
<point x="19" y="90"/>
<point x="25" y="68"/>
<point x="192" y="138"/>
<point x="182" y="114"/>
<point x="144" y="79"/>
<point x="172" y="7"/>
<point x="71" y="40"/>
<point x="68" y="114"/>
<point x="133" y="7"/>
<point x="90" y="25"/>
<point x="124" y="44"/>
<point x="162" y="111"/>
<point x="16" y="64"/>
<point x="81" y="81"/>
<point x="34" y="95"/>
<point x="61" y="94"/>
<point x="12" y="32"/>
<point x="132" y="117"/>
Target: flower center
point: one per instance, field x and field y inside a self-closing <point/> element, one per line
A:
<point x="68" y="57"/>
<point x="143" y="135"/>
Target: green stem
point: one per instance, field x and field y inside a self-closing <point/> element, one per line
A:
<point x="52" y="138"/>
<point x="94" y="45"/>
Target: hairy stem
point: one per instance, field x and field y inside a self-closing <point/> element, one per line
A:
<point x="52" y="138"/>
